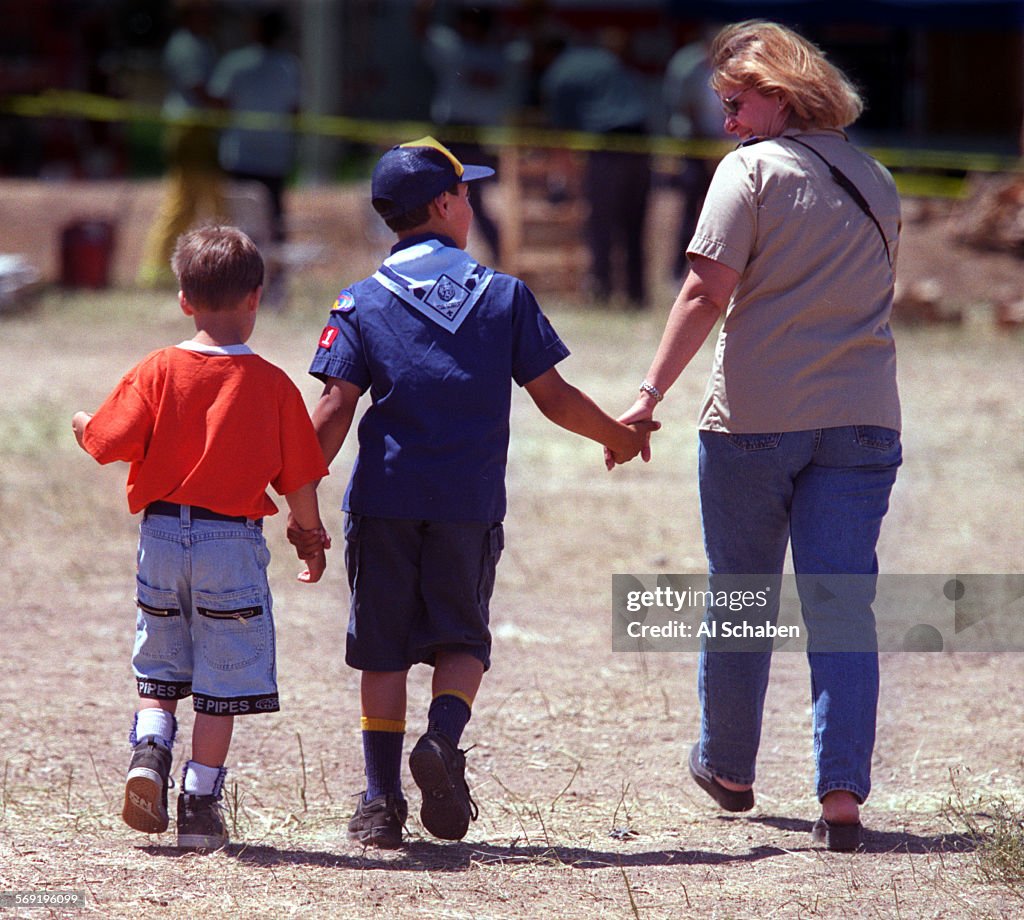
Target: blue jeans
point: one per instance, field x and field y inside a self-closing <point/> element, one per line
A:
<point x="825" y="491"/>
<point x="204" y="620"/>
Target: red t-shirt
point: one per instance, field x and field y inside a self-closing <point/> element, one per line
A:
<point x="207" y="429"/>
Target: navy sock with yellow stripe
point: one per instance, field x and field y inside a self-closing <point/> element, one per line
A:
<point x="449" y="712"/>
<point x="382" y="753"/>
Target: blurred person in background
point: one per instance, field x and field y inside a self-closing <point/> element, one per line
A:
<point x="694" y="114"/>
<point x="193" y="174"/>
<point x="480" y="82"/>
<point x="261" y="77"/>
<point x="591" y="88"/>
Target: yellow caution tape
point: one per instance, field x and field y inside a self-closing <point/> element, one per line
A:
<point x="70" y="104"/>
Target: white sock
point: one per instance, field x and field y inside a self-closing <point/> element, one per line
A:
<point x="201" y="779"/>
<point x="156" y="722"/>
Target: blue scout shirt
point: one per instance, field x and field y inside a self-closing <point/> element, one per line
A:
<point x="433" y="444"/>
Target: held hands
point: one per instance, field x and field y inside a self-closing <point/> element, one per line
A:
<point x="310" y="547"/>
<point x="639" y="442"/>
<point x="639" y="417"/>
<point x="316" y="565"/>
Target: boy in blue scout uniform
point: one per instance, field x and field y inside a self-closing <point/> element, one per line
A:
<point x="436" y="338"/>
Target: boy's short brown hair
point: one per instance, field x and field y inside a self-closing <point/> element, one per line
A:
<point x="216" y="267"/>
<point x="418" y="216"/>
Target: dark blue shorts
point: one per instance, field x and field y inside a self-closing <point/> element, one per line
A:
<point x="418" y="588"/>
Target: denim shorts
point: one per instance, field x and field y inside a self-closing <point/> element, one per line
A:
<point x="418" y="588"/>
<point x="204" y="621"/>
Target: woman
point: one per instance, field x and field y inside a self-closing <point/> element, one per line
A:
<point x="799" y="431"/>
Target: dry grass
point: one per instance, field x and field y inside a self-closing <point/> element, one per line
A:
<point x="995" y="826"/>
<point x="579" y="763"/>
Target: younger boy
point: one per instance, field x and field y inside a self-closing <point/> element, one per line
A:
<point x="437" y="339"/>
<point x="206" y="425"/>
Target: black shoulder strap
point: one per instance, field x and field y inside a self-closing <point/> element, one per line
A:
<point x="844" y="182"/>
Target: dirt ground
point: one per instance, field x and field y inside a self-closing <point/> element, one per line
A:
<point x="579" y="758"/>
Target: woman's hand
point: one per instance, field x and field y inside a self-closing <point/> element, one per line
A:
<point x="641" y="411"/>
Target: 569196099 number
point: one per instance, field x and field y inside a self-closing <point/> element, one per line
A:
<point x="42" y="899"/>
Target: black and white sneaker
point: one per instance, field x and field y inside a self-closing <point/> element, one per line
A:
<point x="145" y="790"/>
<point x="201" y="824"/>
<point x="379" y="821"/>
<point x="439" y="769"/>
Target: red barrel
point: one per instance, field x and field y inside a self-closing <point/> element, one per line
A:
<point x="86" y="252"/>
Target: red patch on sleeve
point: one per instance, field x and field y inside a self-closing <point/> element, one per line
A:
<point x="328" y="336"/>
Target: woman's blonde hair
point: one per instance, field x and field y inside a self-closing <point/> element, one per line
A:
<point x="773" y="59"/>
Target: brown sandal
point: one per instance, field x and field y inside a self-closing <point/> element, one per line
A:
<point x="729" y="799"/>
<point x="840" y="838"/>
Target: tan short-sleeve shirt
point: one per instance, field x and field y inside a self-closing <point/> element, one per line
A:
<point x="806" y="341"/>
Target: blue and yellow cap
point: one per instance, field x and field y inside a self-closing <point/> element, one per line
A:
<point x="414" y="173"/>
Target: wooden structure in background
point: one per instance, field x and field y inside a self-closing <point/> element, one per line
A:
<point x="542" y="218"/>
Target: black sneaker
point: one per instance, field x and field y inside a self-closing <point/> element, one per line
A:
<point x="201" y="823"/>
<point x="145" y="790"/>
<point x="439" y="769"/>
<point x="379" y="821"/>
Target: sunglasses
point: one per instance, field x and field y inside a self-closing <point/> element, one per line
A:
<point x="730" y="106"/>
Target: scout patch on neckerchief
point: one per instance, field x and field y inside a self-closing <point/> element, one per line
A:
<point x="441" y="282"/>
